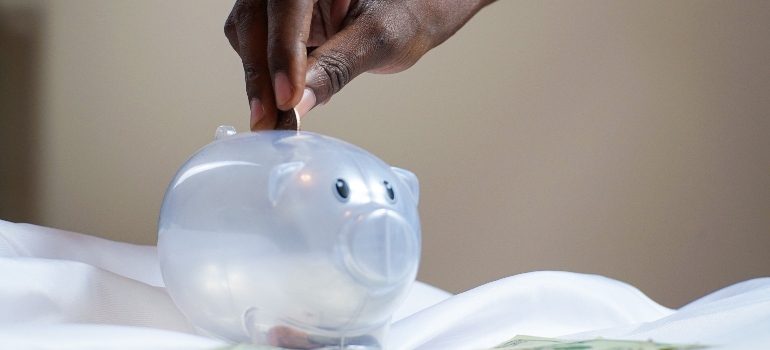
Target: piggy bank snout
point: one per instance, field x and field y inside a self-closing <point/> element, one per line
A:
<point x="380" y="247"/>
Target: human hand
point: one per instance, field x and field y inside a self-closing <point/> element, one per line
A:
<point x="298" y="53"/>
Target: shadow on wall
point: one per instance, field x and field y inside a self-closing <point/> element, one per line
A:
<point x="20" y="47"/>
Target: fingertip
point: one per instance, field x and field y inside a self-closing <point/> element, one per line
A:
<point x="257" y="112"/>
<point x="306" y="103"/>
<point x="266" y="123"/>
<point x="314" y="81"/>
<point x="263" y="116"/>
<point x="283" y="90"/>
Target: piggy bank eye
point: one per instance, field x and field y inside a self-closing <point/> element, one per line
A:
<point x="341" y="190"/>
<point x="389" y="190"/>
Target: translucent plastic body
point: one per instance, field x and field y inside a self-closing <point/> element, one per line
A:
<point x="289" y="239"/>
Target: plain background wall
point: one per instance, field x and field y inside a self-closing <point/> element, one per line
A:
<point x="623" y="138"/>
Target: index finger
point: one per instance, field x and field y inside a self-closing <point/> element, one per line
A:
<point x="288" y="31"/>
<point x="246" y="30"/>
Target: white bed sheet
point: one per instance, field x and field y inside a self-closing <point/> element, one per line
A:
<point x="64" y="290"/>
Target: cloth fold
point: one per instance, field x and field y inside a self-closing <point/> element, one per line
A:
<point x="64" y="290"/>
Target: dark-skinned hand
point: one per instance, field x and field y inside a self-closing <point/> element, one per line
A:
<point x="298" y="53"/>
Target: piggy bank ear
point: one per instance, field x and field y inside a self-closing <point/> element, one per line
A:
<point x="410" y="180"/>
<point x="279" y="178"/>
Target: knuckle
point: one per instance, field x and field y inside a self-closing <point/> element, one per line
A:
<point x="338" y="71"/>
<point x="243" y="11"/>
<point x="251" y="73"/>
<point x="230" y="29"/>
<point x="281" y="46"/>
<point x="391" y="35"/>
<point x="383" y="35"/>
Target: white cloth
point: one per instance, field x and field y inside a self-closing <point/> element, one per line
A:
<point x="63" y="290"/>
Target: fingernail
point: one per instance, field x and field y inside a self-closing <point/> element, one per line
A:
<point x="306" y="103"/>
<point x="282" y="87"/>
<point x="257" y="112"/>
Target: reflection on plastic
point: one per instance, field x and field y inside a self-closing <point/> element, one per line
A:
<point x="289" y="239"/>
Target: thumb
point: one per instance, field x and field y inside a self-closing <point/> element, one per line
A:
<point x="363" y="45"/>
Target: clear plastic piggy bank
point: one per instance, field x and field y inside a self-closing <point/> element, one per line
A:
<point x="289" y="239"/>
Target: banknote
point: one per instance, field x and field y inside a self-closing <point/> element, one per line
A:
<point x="526" y="342"/>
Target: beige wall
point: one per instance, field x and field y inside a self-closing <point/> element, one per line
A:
<point x="627" y="139"/>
